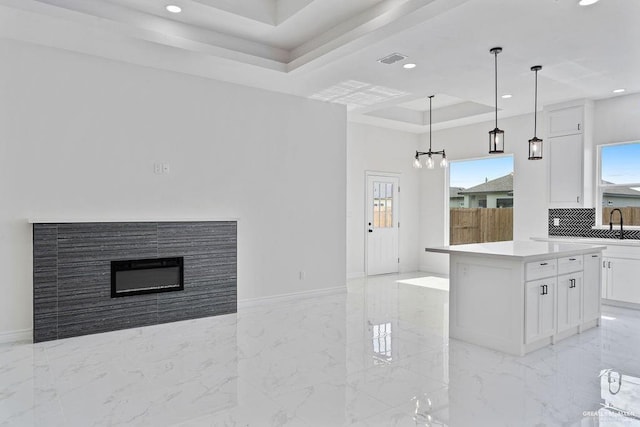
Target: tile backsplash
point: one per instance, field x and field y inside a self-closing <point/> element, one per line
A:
<point x="577" y="222"/>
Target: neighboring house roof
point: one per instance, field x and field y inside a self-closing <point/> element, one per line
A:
<point x="455" y="192"/>
<point x="620" y="191"/>
<point x="504" y="184"/>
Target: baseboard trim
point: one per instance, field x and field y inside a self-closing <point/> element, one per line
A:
<point x="431" y="270"/>
<point x="356" y="275"/>
<point x="22" y="335"/>
<point x="256" y="302"/>
<point x="621" y="304"/>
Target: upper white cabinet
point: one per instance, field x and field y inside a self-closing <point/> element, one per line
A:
<point x="566" y="187"/>
<point x="565" y="121"/>
<point x="570" y="151"/>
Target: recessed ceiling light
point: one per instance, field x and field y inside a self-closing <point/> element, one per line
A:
<point x="173" y="8"/>
<point x="618" y="90"/>
<point x="409" y="66"/>
<point x="507" y="96"/>
<point x="587" y="2"/>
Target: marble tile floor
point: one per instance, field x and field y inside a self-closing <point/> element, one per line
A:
<point x="376" y="355"/>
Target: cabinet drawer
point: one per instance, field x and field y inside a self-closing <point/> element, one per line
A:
<point x="570" y="264"/>
<point x="541" y="269"/>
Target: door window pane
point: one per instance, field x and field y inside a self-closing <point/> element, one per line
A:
<point x="382" y="205"/>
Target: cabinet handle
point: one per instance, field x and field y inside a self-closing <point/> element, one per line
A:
<point x="572" y="259"/>
<point x="578" y="126"/>
<point x="609" y="264"/>
<point x="594" y="256"/>
<point x="544" y="263"/>
<point x="604" y="264"/>
<point x="541" y="289"/>
<point x="573" y="283"/>
<point x="577" y="199"/>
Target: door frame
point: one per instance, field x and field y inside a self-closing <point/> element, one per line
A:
<point x="367" y="174"/>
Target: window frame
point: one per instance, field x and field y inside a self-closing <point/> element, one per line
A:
<point x="447" y="184"/>
<point x="600" y="187"/>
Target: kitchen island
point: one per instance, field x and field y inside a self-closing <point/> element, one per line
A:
<point x="519" y="296"/>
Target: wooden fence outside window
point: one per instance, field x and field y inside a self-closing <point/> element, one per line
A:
<point x="479" y="225"/>
<point x="630" y="215"/>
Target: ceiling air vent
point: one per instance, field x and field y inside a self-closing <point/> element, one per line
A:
<point x="393" y="58"/>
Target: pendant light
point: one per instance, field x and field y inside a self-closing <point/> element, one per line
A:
<point x="430" y="163"/>
<point x="535" y="143"/>
<point x="496" y="136"/>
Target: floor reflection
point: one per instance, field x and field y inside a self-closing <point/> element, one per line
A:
<point x="377" y="355"/>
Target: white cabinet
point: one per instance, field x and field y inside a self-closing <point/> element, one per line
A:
<point x="565" y="121"/>
<point x="570" y="155"/>
<point x="620" y="279"/>
<point x="591" y="288"/>
<point x="540" y="318"/>
<point x="565" y="170"/>
<point x="569" y="301"/>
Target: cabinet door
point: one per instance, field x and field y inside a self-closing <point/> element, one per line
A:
<point x="567" y="121"/>
<point x="548" y="309"/>
<point x="591" y="287"/>
<point x="539" y="309"/>
<point x="623" y="280"/>
<point x="604" y="277"/>
<point x="569" y="300"/>
<point x="565" y="171"/>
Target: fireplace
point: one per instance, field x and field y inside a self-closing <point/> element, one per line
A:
<point x="144" y="276"/>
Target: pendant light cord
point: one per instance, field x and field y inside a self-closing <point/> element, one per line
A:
<point x="535" y="109"/>
<point x="496" y="73"/>
<point x="430" y="99"/>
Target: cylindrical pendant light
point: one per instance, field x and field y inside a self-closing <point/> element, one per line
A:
<point x="535" y="143"/>
<point x="496" y="136"/>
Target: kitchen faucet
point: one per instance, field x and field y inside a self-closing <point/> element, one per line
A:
<point x="611" y="222"/>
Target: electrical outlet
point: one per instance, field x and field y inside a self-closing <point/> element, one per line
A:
<point x="556" y="222"/>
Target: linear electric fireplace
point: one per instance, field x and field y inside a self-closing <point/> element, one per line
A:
<point x="144" y="276"/>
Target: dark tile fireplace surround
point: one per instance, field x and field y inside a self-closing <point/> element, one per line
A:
<point x="72" y="274"/>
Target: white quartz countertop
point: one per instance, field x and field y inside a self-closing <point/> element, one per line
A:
<point x="589" y="240"/>
<point x="519" y="249"/>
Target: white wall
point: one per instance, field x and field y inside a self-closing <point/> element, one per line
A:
<point x="468" y="142"/>
<point x="79" y="136"/>
<point x="617" y="120"/>
<point x="371" y="148"/>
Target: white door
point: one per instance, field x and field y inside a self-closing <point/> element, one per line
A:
<point x="382" y="224"/>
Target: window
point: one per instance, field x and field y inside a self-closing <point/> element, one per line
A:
<point x="382" y="205"/>
<point x="619" y="183"/>
<point x="481" y="200"/>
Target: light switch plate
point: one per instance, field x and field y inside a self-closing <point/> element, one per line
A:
<point x="556" y="222"/>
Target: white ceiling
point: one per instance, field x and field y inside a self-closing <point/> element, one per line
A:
<point x="328" y="49"/>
